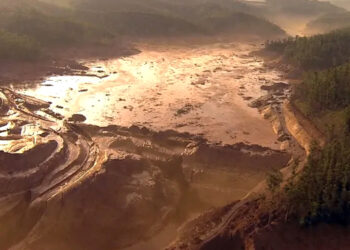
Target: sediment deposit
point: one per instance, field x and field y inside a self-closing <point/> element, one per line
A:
<point x="111" y="159"/>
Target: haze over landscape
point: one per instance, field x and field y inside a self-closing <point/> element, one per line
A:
<point x="174" y="125"/>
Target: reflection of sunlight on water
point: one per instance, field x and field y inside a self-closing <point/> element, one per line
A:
<point x="59" y="86"/>
<point x="147" y="72"/>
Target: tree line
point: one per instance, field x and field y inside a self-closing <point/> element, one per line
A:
<point x="316" y="52"/>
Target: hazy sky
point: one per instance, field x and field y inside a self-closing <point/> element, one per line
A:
<point x="342" y="3"/>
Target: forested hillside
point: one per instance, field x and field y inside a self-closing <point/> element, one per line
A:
<point x="316" y="52"/>
<point x="28" y="27"/>
<point x="162" y="17"/>
<point x="48" y="23"/>
<point x="324" y="91"/>
<point x="51" y="23"/>
<point x="321" y="192"/>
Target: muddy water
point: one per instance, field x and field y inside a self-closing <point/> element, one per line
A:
<point x="202" y="90"/>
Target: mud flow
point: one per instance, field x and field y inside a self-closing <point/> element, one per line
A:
<point x="121" y="156"/>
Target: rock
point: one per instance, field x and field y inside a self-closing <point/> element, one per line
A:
<point x="267" y="113"/>
<point x="285" y="145"/>
<point x="77" y="118"/>
<point x="77" y="66"/>
<point x="201" y="81"/>
<point x="130" y="108"/>
<point x="276" y="87"/>
<point x="104" y="76"/>
<point x="283" y="137"/>
<point x="184" y="110"/>
<point x="247" y="98"/>
<point x="261" y="102"/>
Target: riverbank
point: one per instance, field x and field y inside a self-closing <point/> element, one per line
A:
<point x="253" y="222"/>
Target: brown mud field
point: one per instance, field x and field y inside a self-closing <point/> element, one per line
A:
<point x="123" y="156"/>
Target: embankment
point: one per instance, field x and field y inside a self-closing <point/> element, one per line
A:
<point x="301" y="128"/>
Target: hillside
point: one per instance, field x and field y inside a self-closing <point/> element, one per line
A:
<point x="318" y="193"/>
<point x="316" y="52"/>
<point x="160" y="17"/>
<point x="328" y="23"/>
<point x="36" y="26"/>
<point x="303" y="7"/>
<point x="323" y="92"/>
<point x="292" y="16"/>
<point x="342" y="3"/>
<point x="48" y="23"/>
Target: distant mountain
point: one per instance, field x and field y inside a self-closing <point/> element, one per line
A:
<point x="342" y="3"/>
<point x="328" y="23"/>
<point x="303" y="7"/>
<point x="46" y="23"/>
<point x="28" y="26"/>
<point x="164" y="17"/>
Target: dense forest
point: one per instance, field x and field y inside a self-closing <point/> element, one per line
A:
<point x="321" y="191"/>
<point x="316" y="52"/>
<point x="325" y="90"/>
